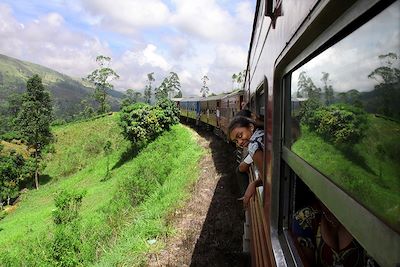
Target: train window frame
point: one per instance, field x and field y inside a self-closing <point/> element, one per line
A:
<point x="361" y="220"/>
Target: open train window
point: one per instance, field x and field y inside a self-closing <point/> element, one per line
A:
<point x="257" y="101"/>
<point x="342" y="132"/>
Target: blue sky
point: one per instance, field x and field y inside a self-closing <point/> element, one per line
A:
<point x="190" y="37"/>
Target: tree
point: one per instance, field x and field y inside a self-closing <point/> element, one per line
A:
<point x="133" y="95"/>
<point x="131" y="98"/>
<point x="174" y="84"/>
<point x="34" y="119"/>
<point x="204" y="89"/>
<point x="14" y="171"/>
<point x="305" y="86"/>
<point x="169" y="86"/>
<point x="162" y="91"/>
<point x="327" y="89"/>
<point x="179" y="94"/>
<point x="238" y="79"/>
<point x="87" y="109"/>
<point x="388" y="78"/>
<point x="148" y="88"/>
<point x="234" y="77"/>
<point x="14" y="104"/>
<point x="101" y="78"/>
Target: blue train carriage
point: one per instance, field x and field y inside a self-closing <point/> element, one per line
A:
<point x="325" y="74"/>
<point x="190" y="107"/>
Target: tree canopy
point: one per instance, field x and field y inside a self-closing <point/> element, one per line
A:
<point x="101" y="78"/>
<point x="35" y="117"/>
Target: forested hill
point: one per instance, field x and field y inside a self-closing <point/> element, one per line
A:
<point x="67" y="93"/>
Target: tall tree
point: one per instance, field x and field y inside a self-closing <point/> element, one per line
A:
<point x="204" y="89"/>
<point x="179" y="94"/>
<point x="306" y="86"/>
<point x="148" y="88"/>
<point x="102" y="78"/>
<point x="34" y="119"/>
<point x="133" y="95"/>
<point x="162" y="91"/>
<point x="175" y="84"/>
<point x="388" y="78"/>
<point x="327" y="88"/>
<point x="238" y="78"/>
<point x="169" y="86"/>
<point x="234" y="77"/>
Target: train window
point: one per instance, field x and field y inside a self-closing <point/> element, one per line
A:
<point x="345" y="114"/>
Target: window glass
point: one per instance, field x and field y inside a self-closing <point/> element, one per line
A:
<point x="345" y="114"/>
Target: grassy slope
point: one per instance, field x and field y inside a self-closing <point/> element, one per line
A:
<point x="374" y="182"/>
<point x="79" y="163"/>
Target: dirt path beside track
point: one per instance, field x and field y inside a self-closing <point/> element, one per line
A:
<point x="210" y="224"/>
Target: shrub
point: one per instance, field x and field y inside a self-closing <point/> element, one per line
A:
<point x="14" y="172"/>
<point x="339" y="124"/>
<point x="141" y="122"/>
<point x="66" y="245"/>
<point x="171" y="112"/>
<point x="8" y="136"/>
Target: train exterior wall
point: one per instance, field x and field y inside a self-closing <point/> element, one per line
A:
<point x="291" y="36"/>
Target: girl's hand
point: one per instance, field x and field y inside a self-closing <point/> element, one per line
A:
<point x="250" y="191"/>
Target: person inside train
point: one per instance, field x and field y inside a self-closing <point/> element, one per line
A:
<point x="247" y="134"/>
<point x="323" y="241"/>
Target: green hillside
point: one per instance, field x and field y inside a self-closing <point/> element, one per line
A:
<point x="66" y="91"/>
<point x="109" y="210"/>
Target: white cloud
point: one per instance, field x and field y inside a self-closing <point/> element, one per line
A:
<point x="127" y="16"/>
<point x="204" y="19"/>
<point x="47" y="41"/>
<point x="191" y="38"/>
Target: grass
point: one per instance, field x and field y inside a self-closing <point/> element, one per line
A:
<point x="369" y="171"/>
<point x="114" y="231"/>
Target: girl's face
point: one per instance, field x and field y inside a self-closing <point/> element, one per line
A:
<point x="241" y="135"/>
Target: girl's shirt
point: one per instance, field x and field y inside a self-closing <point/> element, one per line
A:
<point x="256" y="143"/>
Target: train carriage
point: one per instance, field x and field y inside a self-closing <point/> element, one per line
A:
<point x="189" y="107"/>
<point x="213" y="104"/>
<point x="324" y="75"/>
<point x="230" y="106"/>
<point x="204" y="112"/>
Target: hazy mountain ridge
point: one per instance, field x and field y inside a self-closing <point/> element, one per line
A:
<point x="66" y="92"/>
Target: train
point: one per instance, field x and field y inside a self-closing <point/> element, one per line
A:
<point x="323" y="76"/>
<point x="214" y="112"/>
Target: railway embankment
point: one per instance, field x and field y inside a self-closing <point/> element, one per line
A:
<point x="119" y="220"/>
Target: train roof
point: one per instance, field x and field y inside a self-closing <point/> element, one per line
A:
<point x="215" y="97"/>
<point x="238" y="92"/>
<point x="191" y="99"/>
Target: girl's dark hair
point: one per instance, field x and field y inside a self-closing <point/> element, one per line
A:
<point x="239" y="121"/>
<point x="244" y="113"/>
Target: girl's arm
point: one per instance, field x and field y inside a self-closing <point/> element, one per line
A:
<point x="258" y="160"/>
<point x="251" y="188"/>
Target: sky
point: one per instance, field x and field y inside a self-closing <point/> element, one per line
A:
<point x="190" y="37"/>
<point x="351" y="60"/>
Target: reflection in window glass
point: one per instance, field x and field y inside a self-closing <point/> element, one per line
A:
<point x="346" y="114"/>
